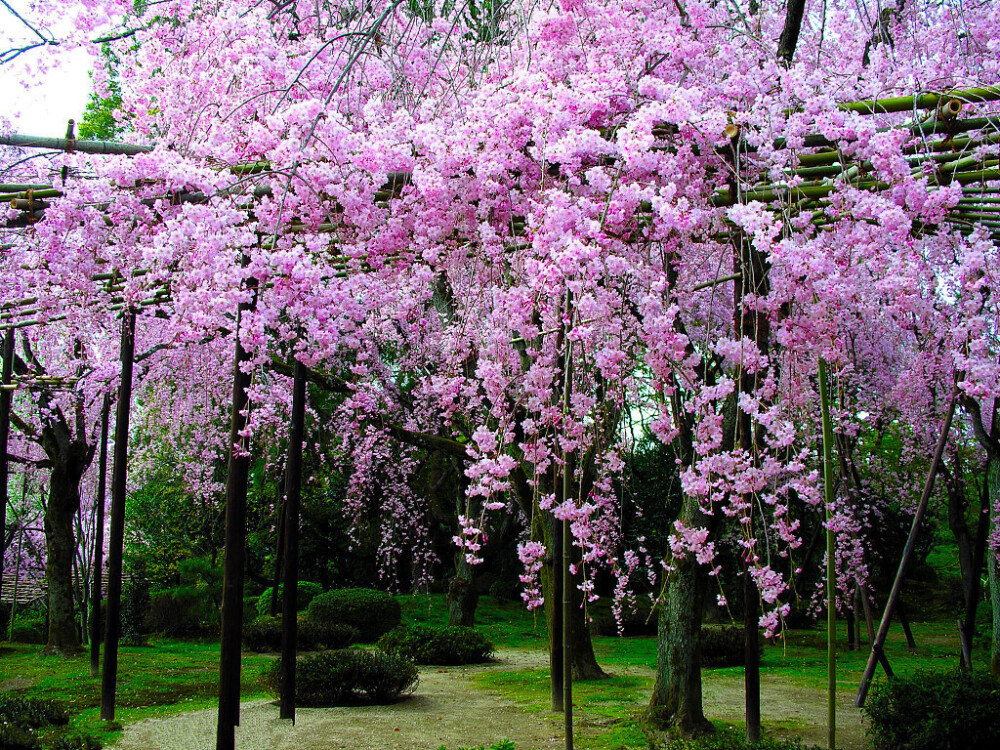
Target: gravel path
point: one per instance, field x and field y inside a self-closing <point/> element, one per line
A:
<point x="446" y="709"/>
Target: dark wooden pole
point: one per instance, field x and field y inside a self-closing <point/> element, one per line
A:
<point x="293" y="495"/>
<point x="236" y="514"/>
<point x="556" y="652"/>
<point x="95" y="603"/>
<point x="6" y="395"/>
<point x="567" y="566"/>
<point x="116" y="541"/>
<point x="911" y="540"/>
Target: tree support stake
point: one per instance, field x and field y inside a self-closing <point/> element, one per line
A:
<point x="116" y="539"/>
<point x="293" y="495"/>
<point x="95" y="598"/>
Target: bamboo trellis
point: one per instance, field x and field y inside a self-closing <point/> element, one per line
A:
<point x="948" y="149"/>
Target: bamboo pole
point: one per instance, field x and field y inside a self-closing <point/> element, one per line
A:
<point x="831" y="573"/>
<point x="102" y="472"/>
<point x="112" y="626"/>
<point x="71" y="144"/>
<point x="293" y="494"/>
<point x="567" y="558"/>
<point x="921" y="101"/>
<point x="6" y="397"/>
<point x="897" y="584"/>
<point x="236" y="512"/>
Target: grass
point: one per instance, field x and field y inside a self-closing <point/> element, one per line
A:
<point x="172" y="676"/>
<point x="167" y="677"/>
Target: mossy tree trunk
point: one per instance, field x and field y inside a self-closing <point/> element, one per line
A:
<point x="676" y="703"/>
<point x="463" y="594"/>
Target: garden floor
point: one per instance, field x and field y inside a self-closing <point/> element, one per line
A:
<point x="448" y="709"/>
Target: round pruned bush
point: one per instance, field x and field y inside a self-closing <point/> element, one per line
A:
<point x="29" y="631"/>
<point x="371" y="611"/>
<point x="347" y="677"/>
<point x="724" y="647"/>
<point x="934" y="711"/>
<point x="264" y="634"/>
<point x="39" y="724"/>
<point x="430" y="645"/>
<point x="305" y="592"/>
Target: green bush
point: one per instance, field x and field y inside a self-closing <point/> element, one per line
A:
<point x="39" y="724"/>
<point x="264" y="634"/>
<point x="347" y="677"/>
<point x="371" y="611"/>
<point x="431" y="645"/>
<point x="733" y="739"/>
<point x="191" y="608"/>
<point x="135" y="608"/>
<point x="724" y="647"/>
<point x="29" y="631"/>
<point x="305" y="592"/>
<point x="31" y="713"/>
<point x="934" y="710"/>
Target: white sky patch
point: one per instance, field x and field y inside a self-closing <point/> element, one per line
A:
<point x="44" y="87"/>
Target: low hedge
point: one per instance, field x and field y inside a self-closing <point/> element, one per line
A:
<point x="432" y="645"/>
<point x="934" y="711"/>
<point x="372" y="612"/>
<point x="305" y="592"/>
<point x="39" y="724"/>
<point x="733" y="739"/>
<point x="264" y="634"/>
<point x="724" y="647"/>
<point x="347" y="677"/>
<point x="33" y="631"/>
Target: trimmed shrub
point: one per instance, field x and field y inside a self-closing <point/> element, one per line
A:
<point x="429" y="645"/>
<point x="184" y="611"/>
<point x="39" y="724"/>
<point x="371" y="611"/>
<point x="305" y="592"/>
<point x="135" y="608"/>
<point x="347" y="677"/>
<point x="733" y="739"/>
<point x="264" y="634"/>
<point x="724" y="647"/>
<point x="31" y="713"/>
<point x="934" y="711"/>
<point x="29" y="631"/>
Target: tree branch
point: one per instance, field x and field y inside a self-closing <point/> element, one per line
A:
<point x="790" y="33"/>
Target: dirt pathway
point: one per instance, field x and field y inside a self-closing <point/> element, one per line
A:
<point x="448" y="710"/>
<point x="445" y="710"/>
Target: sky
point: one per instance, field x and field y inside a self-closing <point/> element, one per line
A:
<point x="61" y="93"/>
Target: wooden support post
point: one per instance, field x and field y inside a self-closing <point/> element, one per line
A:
<point x="95" y="597"/>
<point x="236" y="513"/>
<point x="293" y="495"/>
<point x="831" y="571"/>
<point x="911" y="540"/>
<point x="963" y="642"/>
<point x="567" y="563"/>
<point x="116" y="540"/>
<point x="6" y="395"/>
<point x="557" y="652"/>
<point x="751" y="650"/>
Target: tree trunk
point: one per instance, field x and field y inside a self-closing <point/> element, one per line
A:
<point x="585" y="666"/>
<point x="60" y="545"/>
<point x="463" y="595"/>
<point x="676" y="702"/>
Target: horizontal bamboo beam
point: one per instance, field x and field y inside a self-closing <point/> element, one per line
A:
<point x="921" y="101"/>
<point x="71" y="144"/>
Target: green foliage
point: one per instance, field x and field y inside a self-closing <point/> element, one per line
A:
<point x="135" y="608"/>
<point x="31" y="713"/>
<point x="371" y="611"/>
<point x="99" y="121"/>
<point x="501" y="745"/>
<point x="724" y="647"/>
<point x="264" y="634"/>
<point x="347" y="677"/>
<point x="33" y="631"/>
<point x="934" y="711"/>
<point x="39" y="724"/>
<point x="192" y="608"/>
<point x="733" y="739"/>
<point x="166" y="526"/>
<point x="429" y="645"/>
<point x="305" y="592"/>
